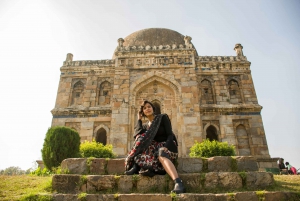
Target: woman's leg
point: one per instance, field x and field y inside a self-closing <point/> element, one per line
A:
<point x="169" y="167"/>
<point x="171" y="170"/>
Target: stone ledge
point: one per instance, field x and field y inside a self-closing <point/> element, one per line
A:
<point x="194" y="182"/>
<point x="239" y="196"/>
<point x="101" y="166"/>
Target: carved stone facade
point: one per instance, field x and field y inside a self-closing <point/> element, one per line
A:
<point x="205" y="96"/>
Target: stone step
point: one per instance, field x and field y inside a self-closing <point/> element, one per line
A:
<point x="239" y="196"/>
<point x="102" y="166"/>
<point x="194" y="182"/>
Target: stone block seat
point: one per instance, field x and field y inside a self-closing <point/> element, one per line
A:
<point x="205" y="179"/>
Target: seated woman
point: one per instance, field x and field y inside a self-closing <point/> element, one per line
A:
<point x="291" y="169"/>
<point x="155" y="147"/>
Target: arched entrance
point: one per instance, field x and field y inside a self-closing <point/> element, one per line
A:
<point x="211" y="133"/>
<point x="101" y="136"/>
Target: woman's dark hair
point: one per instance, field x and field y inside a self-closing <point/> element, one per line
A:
<point x="287" y="163"/>
<point x="143" y="105"/>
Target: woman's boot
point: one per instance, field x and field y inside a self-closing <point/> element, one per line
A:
<point x="178" y="188"/>
<point x="133" y="170"/>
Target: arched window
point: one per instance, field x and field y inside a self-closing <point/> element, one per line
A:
<point x="104" y="93"/>
<point x="243" y="141"/>
<point x="207" y="92"/>
<point x="234" y="92"/>
<point x="211" y="133"/>
<point x="101" y="136"/>
<point x="77" y="93"/>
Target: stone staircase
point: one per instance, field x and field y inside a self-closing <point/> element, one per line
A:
<point x="213" y="179"/>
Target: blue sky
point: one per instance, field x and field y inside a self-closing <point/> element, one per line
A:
<point x="35" y="37"/>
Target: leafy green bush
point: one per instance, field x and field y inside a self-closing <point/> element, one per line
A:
<point x="41" y="172"/>
<point x="45" y="172"/>
<point x="211" y="148"/>
<point x="95" y="149"/>
<point x="60" y="143"/>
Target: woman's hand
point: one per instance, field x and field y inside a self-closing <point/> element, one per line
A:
<point x="140" y="115"/>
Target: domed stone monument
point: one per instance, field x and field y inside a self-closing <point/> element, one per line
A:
<point x="206" y="97"/>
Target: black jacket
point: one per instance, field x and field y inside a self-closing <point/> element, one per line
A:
<point x="164" y="133"/>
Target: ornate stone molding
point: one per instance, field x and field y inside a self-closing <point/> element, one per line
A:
<point x="77" y="113"/>
<point x="153" y="76"/>
<point x="168" y="47"/>
<point x="220" y="58"/>
<point x="107" y="62"/>
<point x="241" y="109"/>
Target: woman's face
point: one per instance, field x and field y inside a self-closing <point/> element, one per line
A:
<point x="147" y="109"/>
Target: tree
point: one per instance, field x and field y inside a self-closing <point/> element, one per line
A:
<point x="60" y="143"/>
<point x="12" y="171"/>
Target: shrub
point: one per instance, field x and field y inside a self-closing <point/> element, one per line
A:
<point x="211" y="148"/>
<point x="95" y="149"/>
<point x="60" y="143"/>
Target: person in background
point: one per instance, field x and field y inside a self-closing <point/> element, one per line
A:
<point x="291" y="169"/>
<point x="281" y="166"/>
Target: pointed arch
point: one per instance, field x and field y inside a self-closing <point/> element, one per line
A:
<point x="211" y="131"/>
<point x="234" y="91"/>
<point x="101" y="134"/>
<point x="243" y="145"/>
<point x="77" y="93"/>
<point x="104" y="93"/>
<point x="207" y="92"/>
<point x="155" y="76"/>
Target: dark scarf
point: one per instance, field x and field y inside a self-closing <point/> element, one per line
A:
<point x="143" y="141"/>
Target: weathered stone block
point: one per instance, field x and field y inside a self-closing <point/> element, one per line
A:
<point x="282" y="196"/>
<point x="151" y="184"/>
<point x="246" y="163"/>
<point x="101" y="197"/>
<point x="125" y="184"/>
<point x="64" y="197"/>
<point x="75" y="165"/>
<point x="63" y="183"/>
<point x="192" y="181"/>
<point x="219" y="164"/>
<point x="255" y="180"/>
<point x="211" y="180"/>
<point x="246" y="196"/>
<point x="115" y="166"/>
<point x="201" y="197"/>
<point x="148" y="197"/>
<point x="97" y="166"/>
<point x="230" y="180"/>
<point x="189" y="165"/>
<point x="100" y="183"/>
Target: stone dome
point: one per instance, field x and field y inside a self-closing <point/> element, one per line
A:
<point x="154" y="36"/>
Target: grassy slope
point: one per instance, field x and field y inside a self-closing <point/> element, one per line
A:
<point x="15" y="187"/>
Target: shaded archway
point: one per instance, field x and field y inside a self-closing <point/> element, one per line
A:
<point x="101" y="136"/>
<point x="211" y="133"/>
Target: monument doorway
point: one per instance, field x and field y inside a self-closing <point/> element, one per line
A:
<point x="211" y="133"/>
<point x="101" y="136"/>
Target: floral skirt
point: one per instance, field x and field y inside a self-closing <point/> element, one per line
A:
<point x="148" y="159"/>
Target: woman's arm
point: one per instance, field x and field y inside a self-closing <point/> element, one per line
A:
<point x="168" y="130"/>
<point x="139" y="128"/>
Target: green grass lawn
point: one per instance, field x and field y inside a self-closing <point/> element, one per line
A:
<point x="18" y="187"/>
